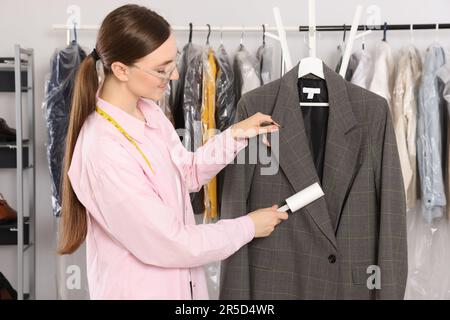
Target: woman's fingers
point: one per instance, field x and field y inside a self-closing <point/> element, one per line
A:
<point x="255" y="125"/>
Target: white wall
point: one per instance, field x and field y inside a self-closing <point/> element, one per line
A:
<point x="29" y="23"/>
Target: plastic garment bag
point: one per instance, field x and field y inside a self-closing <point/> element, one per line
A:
<point x="225" y="95"/>
<point x="431" y="108"/>
<point x="209" y="126"/>
<point x="56" y="106"/>
<point x="428" y="257"/>
<point x="264" y="55"/>
<point x="225" y="103"/>
<point x="352" y="64"/>
<point x="246" y="72"/>
<point x="165" y="102"/>
<point x="178" y="96"/>
<point x="192" y="104"/>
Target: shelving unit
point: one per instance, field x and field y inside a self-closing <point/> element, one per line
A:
<point x="22" y="69"/>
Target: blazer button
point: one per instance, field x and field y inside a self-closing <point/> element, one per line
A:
<point x="332" y="258"/>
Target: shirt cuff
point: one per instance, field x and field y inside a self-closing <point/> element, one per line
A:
<point x="249" y="227"/>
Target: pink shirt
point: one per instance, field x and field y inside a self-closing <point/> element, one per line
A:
<point x="142" y="240"/>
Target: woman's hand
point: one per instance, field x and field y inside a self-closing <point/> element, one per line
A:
<point x="251" y="127"/>
<point x="266" y="220"/>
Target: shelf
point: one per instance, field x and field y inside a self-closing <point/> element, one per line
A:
<point x="7" y="75"/>
<point x="13" y="145"/>
<point x="8" y="155"/>
<point x="8" y="233"/>
<point x="8" y="160"/>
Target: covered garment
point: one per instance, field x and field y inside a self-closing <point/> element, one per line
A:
<point x="383" y="71"/>
<point x="364" y="70"/>
<point x="246" y="72"/>
<point x="225" y="102"/>
<point x="178" y="96"/>
<point x="209" y="126"/>
<point x="225" y="95"/>
<point x="348" y="244"/>
<point x="352" y="64"/>
<point x="404" y="116"/>
<point x="57" y="105"/>
<point x="430" y="130"/>
<point x="166" y="102"/>
<point x="264" y="55"/>
<point x="444" y="78"/>
<point x="192" y="110"/>
<point x="142" y="240"/>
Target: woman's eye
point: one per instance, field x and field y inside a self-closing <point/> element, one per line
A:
<point x="162" y="72"/>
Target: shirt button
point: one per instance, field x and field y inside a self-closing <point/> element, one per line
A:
<point x="332" y="258"/>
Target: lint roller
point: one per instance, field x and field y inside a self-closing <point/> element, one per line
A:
<point x="302" y="198"/>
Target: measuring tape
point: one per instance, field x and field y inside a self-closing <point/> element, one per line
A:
<point x="115" y="124"/>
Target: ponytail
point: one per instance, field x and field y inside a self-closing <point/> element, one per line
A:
<point x="73" y="221"/>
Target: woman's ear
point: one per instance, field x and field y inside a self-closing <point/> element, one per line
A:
<point x="120" y="70"/>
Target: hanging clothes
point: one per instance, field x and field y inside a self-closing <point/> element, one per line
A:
<point x="383" y="72"/>
<point x="264" y="56"/>
<point x="192" y="106"/>
<point x="364" y="70"/>
<point x="246" y="72"/>
<point x="209" y="126"/>
<point x="178" y="101"/>
<point x="57" y="105"/>
<point x="429" y="135"/>
<point x="225" y="95"/>
<point x="444" y="77"/>
<point x="225" y="103"/>
<point x="404" y="116"/>
<point x="352" y="64"/>
<point x="165" y="103"/>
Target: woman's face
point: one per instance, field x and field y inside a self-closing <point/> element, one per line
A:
<point x="150" y="76"/>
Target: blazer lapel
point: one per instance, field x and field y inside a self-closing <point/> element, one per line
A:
<point x="295" y="157"/>
<point x="342" y="146"/>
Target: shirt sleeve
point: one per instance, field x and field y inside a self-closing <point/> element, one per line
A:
<point x="204" y="164"/>
<point x="151" y="230"/>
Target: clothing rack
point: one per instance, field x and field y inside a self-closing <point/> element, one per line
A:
<point x="424" y="26"/>
<point x="301" y="28"/>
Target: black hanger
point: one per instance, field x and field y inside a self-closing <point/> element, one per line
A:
<point x="190" y="32"/>
<point x="345" y="32"/>
<point x="264" y="35"/>
<point x="209" y="33"/>
<point x="74" y="40"/>
<point x="363" y="45"/>
<point x="384" y="31"/>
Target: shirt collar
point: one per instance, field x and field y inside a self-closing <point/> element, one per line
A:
<point x="133" y="126"/>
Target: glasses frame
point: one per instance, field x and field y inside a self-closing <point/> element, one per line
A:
<point x="163" y="76"/>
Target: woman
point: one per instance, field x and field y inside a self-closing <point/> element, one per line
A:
<point x="127" y="177"/>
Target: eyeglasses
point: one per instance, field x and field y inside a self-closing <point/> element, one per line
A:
<point x="163" y="75"/>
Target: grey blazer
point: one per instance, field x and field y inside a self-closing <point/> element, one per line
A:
<point x="350" y="244"/>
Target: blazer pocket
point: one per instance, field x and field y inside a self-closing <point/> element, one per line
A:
<point x="261" y="258"/>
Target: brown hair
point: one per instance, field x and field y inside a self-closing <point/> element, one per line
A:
<point x="127" y="34"/>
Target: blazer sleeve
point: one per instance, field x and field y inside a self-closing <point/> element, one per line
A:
<point x="136" y="217"/>
<point x="392" y="244"/>
<point x="235" y="278"/>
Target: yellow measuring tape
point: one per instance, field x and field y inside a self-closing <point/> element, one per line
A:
<point x="115" y="124"/>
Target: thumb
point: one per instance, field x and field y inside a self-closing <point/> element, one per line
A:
<point x="283" y="215"/>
